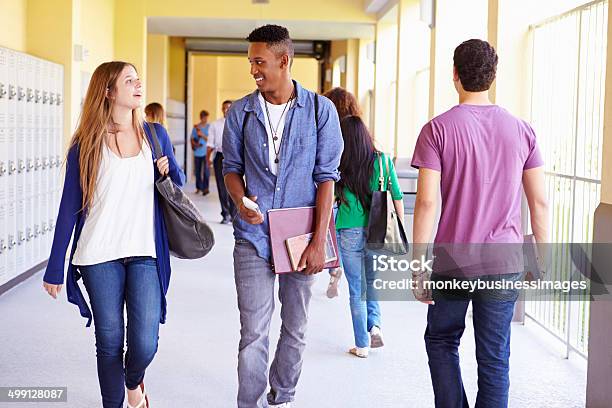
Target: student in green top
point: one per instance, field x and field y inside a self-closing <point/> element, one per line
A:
<point x="359" y="172"/>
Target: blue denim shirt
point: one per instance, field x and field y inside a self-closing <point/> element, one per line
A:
<point x="308" y="156"/>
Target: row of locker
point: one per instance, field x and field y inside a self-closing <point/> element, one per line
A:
<point x="31" y="143"/>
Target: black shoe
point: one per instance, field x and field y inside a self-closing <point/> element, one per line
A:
<point x="226" y="220"/>
<point x="205" y="192"/>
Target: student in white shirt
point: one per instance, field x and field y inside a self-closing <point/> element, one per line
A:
<point x="215" y="154"/>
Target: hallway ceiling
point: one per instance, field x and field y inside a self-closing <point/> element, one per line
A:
<point x="234" y="28"/>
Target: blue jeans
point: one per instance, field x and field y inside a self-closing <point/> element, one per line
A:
<point x="202" y="173"/>
<point x="445" y="325"/>
<point x="365" y="313"/>
<point x="135" y="283"/>
<point x="255" y="289"/>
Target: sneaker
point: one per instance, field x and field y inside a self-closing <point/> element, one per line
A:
<point x="334" y="279"/>
<point x="376" y="337"/>
<point x="361" y="352"/>
<point x="226" y="220"/>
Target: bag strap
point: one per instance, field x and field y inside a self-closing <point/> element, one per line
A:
<point x="389" y="185"/>
<point x="381" y="175"/>
<point x="156" y="146"/>
<point x="316" y="112"/>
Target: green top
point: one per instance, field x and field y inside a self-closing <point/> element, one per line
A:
<point x="352" y="214"/>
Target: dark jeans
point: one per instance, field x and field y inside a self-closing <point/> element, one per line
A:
<point x="227" y="205"/>
<point x="445" y="325"/>
<point x="202" y="173"/>
<point x="135" y="283"/>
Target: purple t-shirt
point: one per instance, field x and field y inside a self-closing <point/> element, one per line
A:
<point x="481" y="152"/>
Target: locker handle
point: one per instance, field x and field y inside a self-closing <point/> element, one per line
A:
<point x="58" y="100"/>
<point x="51" y="98"/>
<point x="45" y="163"/>
<point x="30" y="95"/>
<point x="45" y="97"/>
<point x="11" y="168"/>
<point x="11" y="92"/>
<point x="3" y="246"/>
<point x="2" y="169"/>
<point x="22" y="237"/>
<point x="38" y="164"/>
<point x="2" y="91"/>
<point x="20" y="94"/>
<point x="37" y="96"/>
<point x="30" y="164"/>
<point x="29" y="234"/>
<point x="21" y="166"/>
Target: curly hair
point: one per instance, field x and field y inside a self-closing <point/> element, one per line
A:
<point x="345" y="102"/>
<point x="476" y="64"/>
<point x="275" y="36"/>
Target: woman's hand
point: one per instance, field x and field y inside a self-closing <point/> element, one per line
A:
<point x="162" y="165"/>
<point x="52" y="290"/>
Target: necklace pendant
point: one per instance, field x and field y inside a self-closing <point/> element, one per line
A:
<point x="275" y="138"/>
<point x="276" y="160"/>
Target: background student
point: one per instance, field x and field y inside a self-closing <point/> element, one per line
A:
<point x="346" y="105"/>
<point x="199" y="139"/>
<point x="359" y="176"/>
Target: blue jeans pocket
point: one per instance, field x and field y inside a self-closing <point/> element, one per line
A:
<point x="351" y="239"/>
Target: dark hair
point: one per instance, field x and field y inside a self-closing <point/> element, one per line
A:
<point x="345" y="102"/>
<point x="227" y="101"/>
<point x="276" y="37"/>
<point x="476" y="64"/>
<point x="203" y="114"/>
<point x="357" y="162"/>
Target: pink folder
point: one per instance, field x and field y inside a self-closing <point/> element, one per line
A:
<point x="291" y="222"/>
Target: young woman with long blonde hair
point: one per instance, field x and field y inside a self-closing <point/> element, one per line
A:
<point x="120" y="247"/>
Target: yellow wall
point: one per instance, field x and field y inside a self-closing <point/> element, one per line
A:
<point x="13" y="23"/>
<point x="97" y="21"/>
<point x="176" y="69"/>
<point x="59" y="14"/>
<point x="204" y="91"/>
<point x="217" y="78"/>
<point x="157" y="68"/>
<point x="130" y="31"/>
<point x="412" y="77"/>
<point x="385" y="87"/>
<point x="446" y="36"/>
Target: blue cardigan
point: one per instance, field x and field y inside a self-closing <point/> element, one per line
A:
<point x="70" y="214"/>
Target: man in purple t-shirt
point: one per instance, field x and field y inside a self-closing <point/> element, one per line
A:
<point x="480" y="158"/>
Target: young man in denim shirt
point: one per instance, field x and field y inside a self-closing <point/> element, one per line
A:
<point x="288" y="154"/>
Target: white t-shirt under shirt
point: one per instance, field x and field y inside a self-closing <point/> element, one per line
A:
<point x="120" y="222"/>
<point x="275" y="116"/>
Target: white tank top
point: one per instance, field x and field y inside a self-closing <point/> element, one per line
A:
<point x="120" y="222"/>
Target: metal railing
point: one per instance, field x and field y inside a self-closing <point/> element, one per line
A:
<point x="567" y="102"/>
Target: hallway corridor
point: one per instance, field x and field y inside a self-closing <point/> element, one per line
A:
<point x="45" y="343"/>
